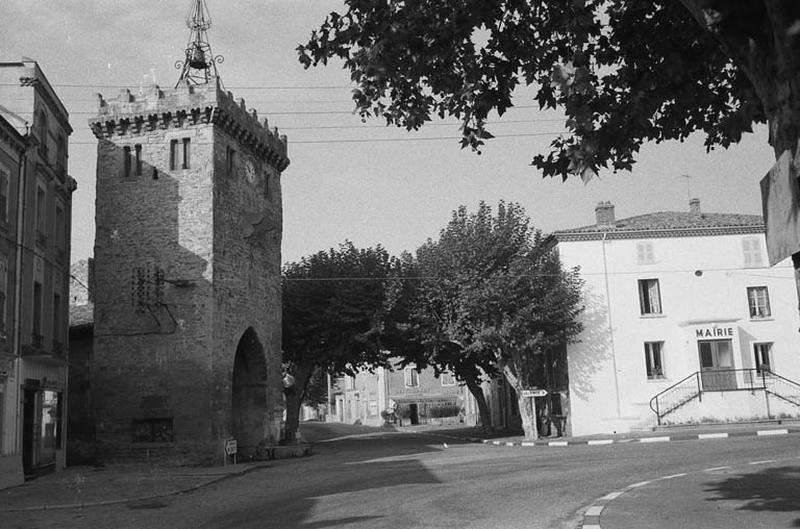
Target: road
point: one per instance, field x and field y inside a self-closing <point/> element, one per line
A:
<point x="401" y="480"/>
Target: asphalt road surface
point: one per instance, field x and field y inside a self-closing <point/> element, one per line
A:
<point x="405" y="480"/>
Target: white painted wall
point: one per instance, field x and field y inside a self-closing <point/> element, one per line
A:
<point x="609" y="389"/>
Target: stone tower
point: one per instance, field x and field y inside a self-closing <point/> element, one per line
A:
<point x="187" y="274"/>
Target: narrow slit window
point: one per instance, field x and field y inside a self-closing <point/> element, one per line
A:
<point x="126" y="163"/>
<point x="173" y="155"/>
<point x="186" y="153"/>
<point x="138" y="166"/>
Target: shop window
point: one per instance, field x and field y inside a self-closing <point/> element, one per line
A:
<point x="410" y="377"/>
<point x="758" y="301"/>
<point x="447" y="379"/>
<point x="153" y="430"/>
<point x="654" y="363"/>
<point x="644" y="253"/>
<point x="50" y="425"/>
<point x="649" y="296"/>
<point x="763" y="355"/>
<point x="751" y="249"/>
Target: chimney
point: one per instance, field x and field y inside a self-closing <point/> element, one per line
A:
<point x="604" y="213"/>
<point x="694" y="206"/>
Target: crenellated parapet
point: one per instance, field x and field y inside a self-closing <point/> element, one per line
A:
<point x="154" y="109"/>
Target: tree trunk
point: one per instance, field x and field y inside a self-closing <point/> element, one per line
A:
<point x="483" y="407"/>
<point x="527" y="408"/>
<point x="294" y="400"/>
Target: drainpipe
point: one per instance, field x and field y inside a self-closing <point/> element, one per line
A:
<point x="22" y="170"/>
<point x="611" y="327"/>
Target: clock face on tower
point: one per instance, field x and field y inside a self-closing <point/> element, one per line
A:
<point x="249" y="171"/>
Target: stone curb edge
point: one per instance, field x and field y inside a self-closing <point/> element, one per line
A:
<point x="194" y="487"/>
<point x="653" y="439"/>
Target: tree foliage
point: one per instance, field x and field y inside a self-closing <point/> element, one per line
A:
<point x="334" y="307"/>
<point x="624" y="72"/>
<point x="492" y="297"/>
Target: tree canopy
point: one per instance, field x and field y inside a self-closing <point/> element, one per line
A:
<point x="492" y="298"/>
<point x="334" y="306"/>
<point x="625" y="72"/>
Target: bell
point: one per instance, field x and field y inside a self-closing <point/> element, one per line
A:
<point x="198" y="59"/>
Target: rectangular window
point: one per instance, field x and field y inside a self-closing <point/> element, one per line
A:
<point x="644" y="253"/>
<point x="751" y="249"/>
<point x="230" y="161"/>
<point x="758" y="301"/>
<point x="138" y="160"/>
<point x="41" y="217"/>
<point x="56" y="321"/>
<point x="652" y="359"/>
<point x="410" y="377"/>
<point x="126" y="161"/>
<point x="349" y="382"/>
<point x="3" y="290"/>
<point x="4" y="177"/>
<point x="152" y="430"/>
<point x="447" y="379"/>
<point x="173" y="155"/>
<point x="37" y="313"/>
<point x="649" y="296"/>
<point x="59" y="227"/>
<point x="186" y="153"/>
<point x="762" y="352"/>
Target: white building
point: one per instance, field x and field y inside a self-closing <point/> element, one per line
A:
<point x="680" y="300"/>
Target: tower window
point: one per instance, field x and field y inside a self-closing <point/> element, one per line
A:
<point x="186" y="153"/>
<point x="173" y="155"/>
<point x="230" y="161"/>
<point x="126" y="155"/>
<point x="138" y="166"/>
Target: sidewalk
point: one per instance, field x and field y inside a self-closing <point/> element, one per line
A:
<point x="77" y="487"/>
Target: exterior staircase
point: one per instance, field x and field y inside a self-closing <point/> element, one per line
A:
<point x="693" y="387"/>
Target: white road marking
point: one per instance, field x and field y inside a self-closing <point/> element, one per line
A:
<point x="591" y="526"/>
<point x="528" y="443"/>
<point x="640" y="484"/>
<point x="720" y="435"/>
<point x="654" y="439"/>
<point x="509" y="443"/>
<point x="558" y="443"/>
<point x="772" y="432"/>
<point x="594" y="510"/>
<point x="675" y="475"/>
<point x="611" y="496"/>
<point x="714" y="469"/>
<point x="601" y="441"/>
<point x="764" y="462"/>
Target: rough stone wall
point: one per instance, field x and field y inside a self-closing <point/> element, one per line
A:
<point x="183" y="267"/>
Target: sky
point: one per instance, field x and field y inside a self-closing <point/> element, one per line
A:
<point x="348" y="180"/>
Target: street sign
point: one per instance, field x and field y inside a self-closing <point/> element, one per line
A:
<point x="534" y="392"/>
<point x="231" y="447"/>
<point x="780" y="202"/>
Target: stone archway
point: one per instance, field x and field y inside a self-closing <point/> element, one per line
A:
<point x="249" y="394"/>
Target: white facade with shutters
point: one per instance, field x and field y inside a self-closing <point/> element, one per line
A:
<point x="675" y="295"/>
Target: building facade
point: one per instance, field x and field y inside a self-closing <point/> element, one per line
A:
<point x="187" y="310"/>
<point x="407" y="395"/>
<point x="35" y="212"/>
<point x="681" y="306"/>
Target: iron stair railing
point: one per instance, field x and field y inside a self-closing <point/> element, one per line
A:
<point x="693" y="386"/>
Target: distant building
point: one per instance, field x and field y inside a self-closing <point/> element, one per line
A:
<point x="414" y="397"/>
<point x="35" y="212"/>
<point x="682" y="306"/>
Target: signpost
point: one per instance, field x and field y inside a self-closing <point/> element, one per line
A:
<point x="535" y="392"/>
<point x="780" y="200"/>
<point x="231" y="448"/>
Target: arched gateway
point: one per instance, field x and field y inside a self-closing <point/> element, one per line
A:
<point x="249" y="394"/>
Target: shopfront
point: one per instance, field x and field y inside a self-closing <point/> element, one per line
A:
<point x="42" y="414"/>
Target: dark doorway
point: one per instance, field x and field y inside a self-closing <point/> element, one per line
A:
<point x="413" y="412"/>
<point x="29" y="416"/>
<point x="249" y="394"/>
<point x="716" y="365"/>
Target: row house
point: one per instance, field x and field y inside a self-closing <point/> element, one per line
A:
<point x="35" y="212"/>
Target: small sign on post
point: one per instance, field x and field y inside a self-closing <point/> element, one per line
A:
<point x="527" y="393"/>
<point x="231" y="448"/>
<point x="780" y="200"/>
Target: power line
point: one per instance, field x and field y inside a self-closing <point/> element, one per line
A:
<point x="304" y="112"/>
